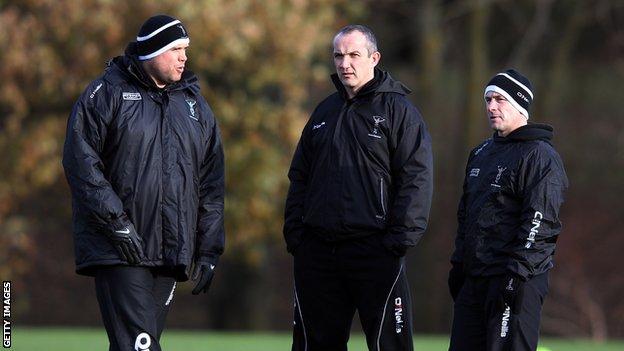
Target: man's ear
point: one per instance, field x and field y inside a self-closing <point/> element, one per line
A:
<point x="376" y="57"/>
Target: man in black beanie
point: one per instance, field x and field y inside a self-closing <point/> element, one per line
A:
<point x="508" y="220"/>
<point x="144" y="162"/>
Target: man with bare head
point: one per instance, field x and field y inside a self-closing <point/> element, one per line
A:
<point x="359" y="197"/>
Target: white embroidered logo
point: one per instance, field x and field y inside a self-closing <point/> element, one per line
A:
<point x="375" y="132"/>
<point x="142" y="342"/>
<point x="498" y="176"/>
<point x="191" y="104"/>
<point x="95" y="91"/>
<point x="131" y="96"/>
<point x="505" y="322"/>
<point x="481" y="148"/>
<point x="536" y="222"/>
<point x="398" y="315"/>
<point x="475" y="172"/>
<point x="317" y="126"/>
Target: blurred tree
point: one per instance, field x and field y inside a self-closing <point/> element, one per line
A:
<point x="263" y="66"/>
<point x="258" y="62"/>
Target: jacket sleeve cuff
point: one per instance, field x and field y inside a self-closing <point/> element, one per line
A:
<point x="208" y="259"/>
<point x="118" y="223"/>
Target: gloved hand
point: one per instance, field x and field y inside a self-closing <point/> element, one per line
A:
<point x="456" y="279"/>
<point x="205" y="272"/>
<point x="512" y="292"/>
<point x="127" y="242"/>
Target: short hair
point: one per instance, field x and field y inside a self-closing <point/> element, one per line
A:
<point x="371" y="41"/>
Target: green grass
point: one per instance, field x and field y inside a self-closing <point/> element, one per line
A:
<point x="84" y="339"/>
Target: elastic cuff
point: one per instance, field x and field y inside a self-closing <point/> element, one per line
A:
<point x="208" y="260"/>
<point x="119" y="223"/>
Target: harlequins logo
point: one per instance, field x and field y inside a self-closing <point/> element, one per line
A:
<point x="498" y="176"/>
<point x="375" y="132"/>
<point x="191" y="105"/>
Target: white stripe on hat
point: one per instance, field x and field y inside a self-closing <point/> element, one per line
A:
<point x="517" y="82"/>
<point x="513" y="102"/>
<point x="165" y="48"/>
<point x="172" y="23"/>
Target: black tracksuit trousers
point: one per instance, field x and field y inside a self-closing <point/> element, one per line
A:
<point x="334" y="279"/>
<point x="134" y="302"/>
<point x="482" y="323"/>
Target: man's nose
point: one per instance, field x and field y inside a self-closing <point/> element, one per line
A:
<point x="491" y="105"/>
<point x="344" y="63"/>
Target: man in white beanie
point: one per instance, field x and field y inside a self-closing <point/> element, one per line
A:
<point x="508" y="220"/>
<point x="144" y="162"/>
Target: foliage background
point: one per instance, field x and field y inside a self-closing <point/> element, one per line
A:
<point x="263" y="66"/>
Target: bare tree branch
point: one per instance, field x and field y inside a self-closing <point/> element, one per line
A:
<point x="535" y="31"/>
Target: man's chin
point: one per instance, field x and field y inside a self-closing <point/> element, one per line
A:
<point x="347" y="83"/>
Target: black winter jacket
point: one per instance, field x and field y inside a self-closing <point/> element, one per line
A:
<point x="150" y="156"/>
<point x="362" y="166"/>
<point x="509" y="212"/>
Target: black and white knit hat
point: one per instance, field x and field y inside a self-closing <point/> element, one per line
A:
<point x="159" y="34"/>
<point x="515" y="87"/>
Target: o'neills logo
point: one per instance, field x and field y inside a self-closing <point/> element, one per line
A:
<point x="536" y="222"/>
<point x="520" y="95"/>
<point x="505" y="322"/>
<point x="142" y="342"/>
<point x="398" y="315"/>
<point x="131" y="96"/>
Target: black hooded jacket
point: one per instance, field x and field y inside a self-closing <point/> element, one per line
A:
<point x="509" y="212"/>
<point x="362" y="166"/>
<point x="150" y="156"/>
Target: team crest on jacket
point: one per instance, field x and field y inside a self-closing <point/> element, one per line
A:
<point x="191" y="105"/>
<point x="375" y="132"/>
<point x="501" y="169"/>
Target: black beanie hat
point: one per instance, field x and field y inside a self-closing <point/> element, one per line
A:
<point x="159" y="34"/>
<point x="515" y="87"/>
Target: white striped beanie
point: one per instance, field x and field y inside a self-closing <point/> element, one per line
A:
<point x="515" y="87"/>
<point x="159" y="34"/>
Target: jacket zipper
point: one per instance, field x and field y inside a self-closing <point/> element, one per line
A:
<point x="381" y="196"/>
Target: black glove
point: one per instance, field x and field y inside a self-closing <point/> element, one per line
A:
<point x="512" y="292"/>
<point x="205" y="272"/>
<point x="127" y="242"/>
<point x="456" y="279"/>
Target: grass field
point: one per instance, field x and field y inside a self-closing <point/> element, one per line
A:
<point x="82" y="339"/>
